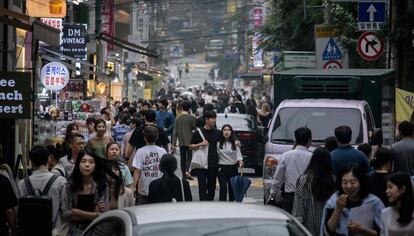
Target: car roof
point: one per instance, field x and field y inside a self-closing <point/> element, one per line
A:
<point x="168" y="212"/>
<point x="337" y="103"/>
<point x="342" y="72"/>
<point x="238" y="115"/>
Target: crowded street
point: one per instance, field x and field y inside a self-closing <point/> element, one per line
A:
<point x="207" y="117"/>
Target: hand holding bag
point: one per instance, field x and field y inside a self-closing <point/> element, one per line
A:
<point x="199" y="160"/>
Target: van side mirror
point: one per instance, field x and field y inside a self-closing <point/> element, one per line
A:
<point x="377" y="138"/>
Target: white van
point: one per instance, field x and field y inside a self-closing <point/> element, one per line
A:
<point x="321" y="116"/>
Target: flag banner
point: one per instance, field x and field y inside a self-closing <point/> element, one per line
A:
<point x="404" y="103"/>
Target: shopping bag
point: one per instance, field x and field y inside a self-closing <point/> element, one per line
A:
<point x="200" y="156"/>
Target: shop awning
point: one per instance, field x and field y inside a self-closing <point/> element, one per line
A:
<point x="44" y="51"/>
<point x="144" y="77"/>
<point x="127" y="45"/>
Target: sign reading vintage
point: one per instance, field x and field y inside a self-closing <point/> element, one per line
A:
<point x="15" y="95"/>
<point x="54" y="76"/>
<point x="74" y="40"/>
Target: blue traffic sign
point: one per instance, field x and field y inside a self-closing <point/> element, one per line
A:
<point x="332" y="51"/>
<point x="371" y="12"/>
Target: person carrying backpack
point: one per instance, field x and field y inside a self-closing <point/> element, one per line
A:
<point x="39" y="205"/>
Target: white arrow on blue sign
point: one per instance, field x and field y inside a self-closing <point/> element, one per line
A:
<point x="371" y="15"/>
<point x="332" y="51"/>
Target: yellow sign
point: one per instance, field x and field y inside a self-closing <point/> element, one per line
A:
<point x="46" y="8"/>
<point x="404" y="104"/>
<point x="147" y="93"/>
<point x="325" y="31"/>
<point x="231" y="7"/>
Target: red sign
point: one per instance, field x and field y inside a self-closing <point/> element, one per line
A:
<point x="370" y="47"/>
<point x="332" y="65"/>
<point x="107" y="19"/>
<point x="257" y="17"/>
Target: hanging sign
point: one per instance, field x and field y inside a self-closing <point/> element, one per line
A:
<point x="370" y="47"/>
<point x="15" y="93"/>
<point x="74" y="40"/>
<point x="54" y="76"/>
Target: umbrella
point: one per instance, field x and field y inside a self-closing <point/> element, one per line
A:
<point x="240" y="184"/>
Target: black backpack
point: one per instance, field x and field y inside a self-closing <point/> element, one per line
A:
<point x="35" y="215"/>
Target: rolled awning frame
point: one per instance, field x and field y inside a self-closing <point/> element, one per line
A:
<point x="127" y="45"/>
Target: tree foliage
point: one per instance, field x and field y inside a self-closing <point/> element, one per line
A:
<point x="286" y="27"/>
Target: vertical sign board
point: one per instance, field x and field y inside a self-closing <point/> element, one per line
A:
<point x="74" y="40"/>
<point x="15" y="93"/>
<point x="371" y="15"/>
<point x="329" y="52"/>
<point x="107" y="19"/>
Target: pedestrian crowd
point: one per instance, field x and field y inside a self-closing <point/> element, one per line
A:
<point x="124" y="158"/>
<point x="341" y="190"/>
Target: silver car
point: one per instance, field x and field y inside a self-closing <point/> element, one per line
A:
<point x="196" y="218"/>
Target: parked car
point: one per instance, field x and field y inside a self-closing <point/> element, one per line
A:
<point x="185" y="219"/>
<point x="250" y="136"/>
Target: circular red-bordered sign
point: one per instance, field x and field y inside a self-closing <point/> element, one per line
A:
<point x="332" y="65"/>
<point x="370" y="47"/>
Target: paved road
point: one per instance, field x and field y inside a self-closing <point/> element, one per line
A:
<point x="199" y="69"/>
<point x="254" y="194"/>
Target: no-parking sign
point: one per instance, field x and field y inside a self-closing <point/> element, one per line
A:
<point x="370" y="47"/>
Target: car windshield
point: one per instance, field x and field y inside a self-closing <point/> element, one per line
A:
<point x="321" y="121"/>
<point x="221" y="227"/>
<point x="238" y="123"/>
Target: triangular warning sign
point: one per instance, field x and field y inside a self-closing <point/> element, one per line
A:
<point x="332" y="51"/>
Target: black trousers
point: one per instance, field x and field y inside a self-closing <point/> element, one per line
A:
<point x="185" y="159"/>
<point x="287" y="202"/>
<point x="207" y="183"/>
<point x="224" y="174"/>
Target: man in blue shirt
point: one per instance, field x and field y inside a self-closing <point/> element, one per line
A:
<point x="345" y="154"/>
<point x="120" y="129"/>
<point x="165" y="119"/>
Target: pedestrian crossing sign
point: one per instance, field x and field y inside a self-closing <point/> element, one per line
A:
<point x="332" y="51"/>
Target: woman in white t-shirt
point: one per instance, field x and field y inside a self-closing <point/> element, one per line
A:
<point x="230" y="158"/>
<point x="398" y="219"/>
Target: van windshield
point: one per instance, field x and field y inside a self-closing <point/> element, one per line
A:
<point x="320" y="120"/>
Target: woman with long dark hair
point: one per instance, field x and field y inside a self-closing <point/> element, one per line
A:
<point x="313" y="189"/>
<point x="352" y="210"/>
<point x="71" y="129"/>
<point x="85" y="196"/>
<point x="113" y="152"/>
<point x="230" y="158"/>
<point x="119" y="195"/>
<point x="382" y="162"/>
<point x="398" y="219"/>
<point x="168" y="188"/>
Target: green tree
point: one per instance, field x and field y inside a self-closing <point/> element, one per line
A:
<point x="286" y="27"/>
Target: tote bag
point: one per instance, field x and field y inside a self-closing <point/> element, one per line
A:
<point x="200" y="155"/>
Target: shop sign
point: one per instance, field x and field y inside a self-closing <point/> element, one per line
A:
<point x="46" y="8"/>
<point x="298" y="59"/>
<point x="54" y="76"/>
<point x="74" y="40"/>
<point x="53" y="22"/>
<point x="15" y="95"/>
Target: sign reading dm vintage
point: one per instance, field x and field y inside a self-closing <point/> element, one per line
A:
<point x="54" y="76"/>
<point x="15" y="94"/>
<point x="74" y="40"/>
